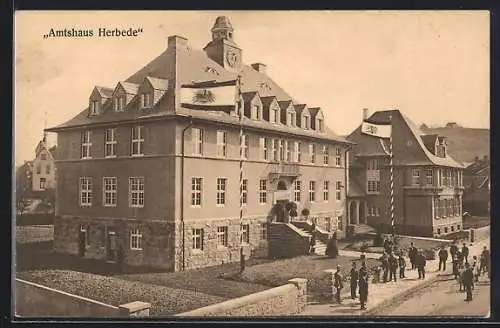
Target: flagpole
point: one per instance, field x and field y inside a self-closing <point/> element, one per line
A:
<point x="391" y="164"/>
<point x="240" y="113"/>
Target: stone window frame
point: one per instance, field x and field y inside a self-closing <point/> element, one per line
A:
<point x="326" y="191"/>
<point x="415" y="176"/>
<point x="282" y="150"/>
<point x="264" y="151"/>
<point x="94" y="107"/>
<point x="297" y="192"/>
<point x="338" y="190"/>
<point x="137" y="140"/>
<point x="338" y="156"/>
<point x="298" y="151"/>
<point x="312" y="153"/>
<point x="43" y="183"/>
<point x="289" y="151"/>
<point x="221" y="137"/>
<point x="110" y="141"/>
<point x="262" y="191"/>
<point x="112" y="182"/>
<point x="222" y="236"/>
<point x="326" y="155"/>
<point x="312" y="191"/>
<point x="135" y="192"/>
<point x="86" y="144"/>
<point x="429" y="178"/>
<point x="197" y="238"/>
<point x="136" y="238"/>
<point x="244" y="191"/>
<point x="119" y="103"/>
<point x="196" y="191"/>
<point x="245" y="146"/>
<point x="197" y="140"/>
<point x="146" y="100"/>
<point x="221" y="188"/>
<point x="245" y="233"/>
<point x="85" y="193"/>
<point x="275" y="144"/>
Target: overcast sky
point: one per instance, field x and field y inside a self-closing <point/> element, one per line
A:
<point x="433" y="66"/>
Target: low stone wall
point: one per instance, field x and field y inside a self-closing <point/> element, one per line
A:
<point x="280" y="301"/>
<point x="479" y="233"/>
<point x="34" y="300"/>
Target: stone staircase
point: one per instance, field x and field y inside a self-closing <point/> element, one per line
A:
<point x="319" y="247"/>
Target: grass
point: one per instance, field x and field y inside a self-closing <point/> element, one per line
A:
<point x="114" y="291"/>
<point x="312" y="268"/>
<point x="473" y="222"/>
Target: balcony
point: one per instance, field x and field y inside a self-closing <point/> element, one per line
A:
<point x="284" y="169"/>
<point x="282" y="195"/>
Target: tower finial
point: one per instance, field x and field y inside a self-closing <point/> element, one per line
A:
<point x="44" y="128"/>
<point x="222" y="28"/>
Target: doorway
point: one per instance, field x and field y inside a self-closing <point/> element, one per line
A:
<point x="81" y="241"/>
<point x="282" y="185"/>
<point x="111" y="249"/>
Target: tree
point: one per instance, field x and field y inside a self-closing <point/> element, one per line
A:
<point x="291" y="208"/>
<point x="279" y="212"/>
<point x="305" y="212"/>
<point x="332" y="250"/>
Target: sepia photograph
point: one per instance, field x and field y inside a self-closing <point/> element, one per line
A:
<point x="215" y="164"/>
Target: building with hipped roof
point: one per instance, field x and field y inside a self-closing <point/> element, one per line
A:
<point x="143" y="175"/>
<point x="428" y="182"/>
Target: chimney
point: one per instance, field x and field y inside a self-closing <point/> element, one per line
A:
<point x="177" y="41"/>
<point x="365" y="113"/>
<point x="259" y="67"/>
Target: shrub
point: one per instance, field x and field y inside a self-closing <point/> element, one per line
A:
<point x="305" y="212"/>
<point x="364" y="247"/>
<point x="332" y="250"/>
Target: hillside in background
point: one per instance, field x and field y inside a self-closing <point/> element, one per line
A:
<point x="464" y="144"/>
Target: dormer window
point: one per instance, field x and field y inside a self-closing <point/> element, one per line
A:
<point x="119" y="103"/>
<point x="273" y="115"/>
<point x="146" y="100"/>
<point x="256" y="112"/>
<point x="306" y="122"/>
<point x="94" y="107"/>
<point x="319" y="125"/>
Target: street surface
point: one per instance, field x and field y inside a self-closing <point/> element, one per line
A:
<point x="442" y="298"/>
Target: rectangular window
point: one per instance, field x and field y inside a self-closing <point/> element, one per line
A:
<point x="306" y="119"/>
<point x="43" y="183"/>
<point x="275" y="148"/>
<point x="373" y="176"/>
<point x="196" y="185"/>
<point x="109" y="191"/>
<point x="263" y="191"/>
<point x="312" y="153"/>
<point x="244" y="191"/>
<point x="245" y="233"/>
<point x="136" y="192"/>
<point x="198" y="239"/>
<point x="282" y="150"/>
<point x="119" y="103"/>
<point x="445" y="229"/>
<point x="135" y="238"/>
<point x="86" y="230"/>
<point x="326" y="190"/>
<point x="39" y="169"/>
<point x="86" y="144"/>
<point x="264" y="231"/>
<point x="137" y="141"/>
<point x="222" y="236"/>
<point x="221" y="143"/>
<point x="255" y="112"/>
<point x="47" y="169"/>
<point x="274" y="116"/>
<point x="110" y="142"/>
<point x="94" y="107"/>
<point x="415" y="176"/>
<point x="326" y="155"/>
<point x="429" y="177"/>
<point x="296" y="190"/>
<point x="338" y="156"/>
<point x="297" y="152"/>
<point x="221" y="191"/>
<point x="289" y="151"/>
<point x="439" y="231"/>
<point x="338" y="189"/>
<point x="312" y="191"/>
<point x="197" y="139"/>
<point x="320" y="125"/>
<point x="263" y="148"/>
<point x="244" y="145"/>
<point x="146" y="100"/>
<point x="85" y="191"/>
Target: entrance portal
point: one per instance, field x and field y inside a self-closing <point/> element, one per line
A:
<point x="111" y="255"/>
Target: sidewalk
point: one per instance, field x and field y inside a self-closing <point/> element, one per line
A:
<point x="381" y="293"/>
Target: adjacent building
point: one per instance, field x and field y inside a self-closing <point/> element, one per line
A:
<point x="428" y="182"/>
<point x="477" y="187"/>
<point x="43" y="167"/>
<point x="145" y="180"/>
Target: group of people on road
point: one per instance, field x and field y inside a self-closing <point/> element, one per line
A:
<point x="358" y="283"/>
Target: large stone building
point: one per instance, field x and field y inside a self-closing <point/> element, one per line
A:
<point x="428" y="183"/>
<point x="143" y="178"/>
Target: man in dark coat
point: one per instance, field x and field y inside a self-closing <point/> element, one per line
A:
<point x="443" y="257"/>
<point x="468" y="281"/>
<point x="453" y="249"/>
<point x="485" y="261"/>
<point x="412" y="253"/>
<point x="420" y="263"/>
<point x="402" y="266"/>
<point x="393" y="267"/>
<point x="385" y="266"/>
<point x="363" y="286"/>
<point x="454" y="260"/>
<point x="465" y="253"/>
<point x="354" y="280"/>
<point x="338" y="284"/>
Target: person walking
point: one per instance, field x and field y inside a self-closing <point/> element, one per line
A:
<point x="475" y="268"/>
<point x="354" y="280"/>
<point x="443" y="257"/>
<point x="460" y="257"/>
<point x="402" y="266"/>
<point x="465" y="253"/>
<point x="453" y="249"/>
<point x="468" y="281"/>
<point x="393" y="267"/>
<point x="412" y="253"/>
<point x="363" y="286"/>
<point x="485" y="261"/>
<point x="338" y="284"/>
<point x="420" y="263"/>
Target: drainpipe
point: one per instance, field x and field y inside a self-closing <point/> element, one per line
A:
<point x="346" y="209"/>
<point x="190" y="122"/>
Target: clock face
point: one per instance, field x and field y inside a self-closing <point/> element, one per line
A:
<point x="232" y="58"/>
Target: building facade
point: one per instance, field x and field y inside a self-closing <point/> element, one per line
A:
<point x="145" y="180"/>
<point x="43" y="168"/>
<point x="477" y="187"/>
<point x="428" y="182"/>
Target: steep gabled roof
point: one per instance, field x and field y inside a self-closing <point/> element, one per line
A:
<point x="314" y="111"/>
<point x="130" y="88"/>
<point x="248" y="96"/>
<point x="430" y="142"/>
<point x="158" y="84"/>
<point x="267" y="101"/>
<point x="105" y="92"/>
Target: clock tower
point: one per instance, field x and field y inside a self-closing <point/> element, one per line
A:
<point x="222" y="49"/>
